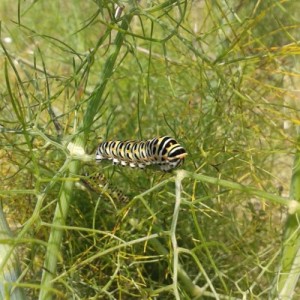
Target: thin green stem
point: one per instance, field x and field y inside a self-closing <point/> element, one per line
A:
<point x="173" y="234"/>
<point x="292" y="204"/>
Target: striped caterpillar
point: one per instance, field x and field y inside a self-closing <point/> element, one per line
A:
<point x="163" y="151"/>
<point x="100" y="185"/>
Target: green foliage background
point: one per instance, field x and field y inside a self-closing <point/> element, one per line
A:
<point x="222" y="77"/>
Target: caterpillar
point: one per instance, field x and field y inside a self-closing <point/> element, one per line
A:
<point x="98" y="183"/>
<point x="163" y="151"/>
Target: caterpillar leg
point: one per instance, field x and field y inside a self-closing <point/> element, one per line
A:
<point x="99" y="157"/>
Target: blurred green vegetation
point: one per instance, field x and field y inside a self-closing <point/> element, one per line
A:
<point x="222" y="77"/>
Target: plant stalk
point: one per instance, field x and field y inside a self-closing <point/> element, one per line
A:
<point x="288" y="271"/>
<point x="54" y="244"/>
